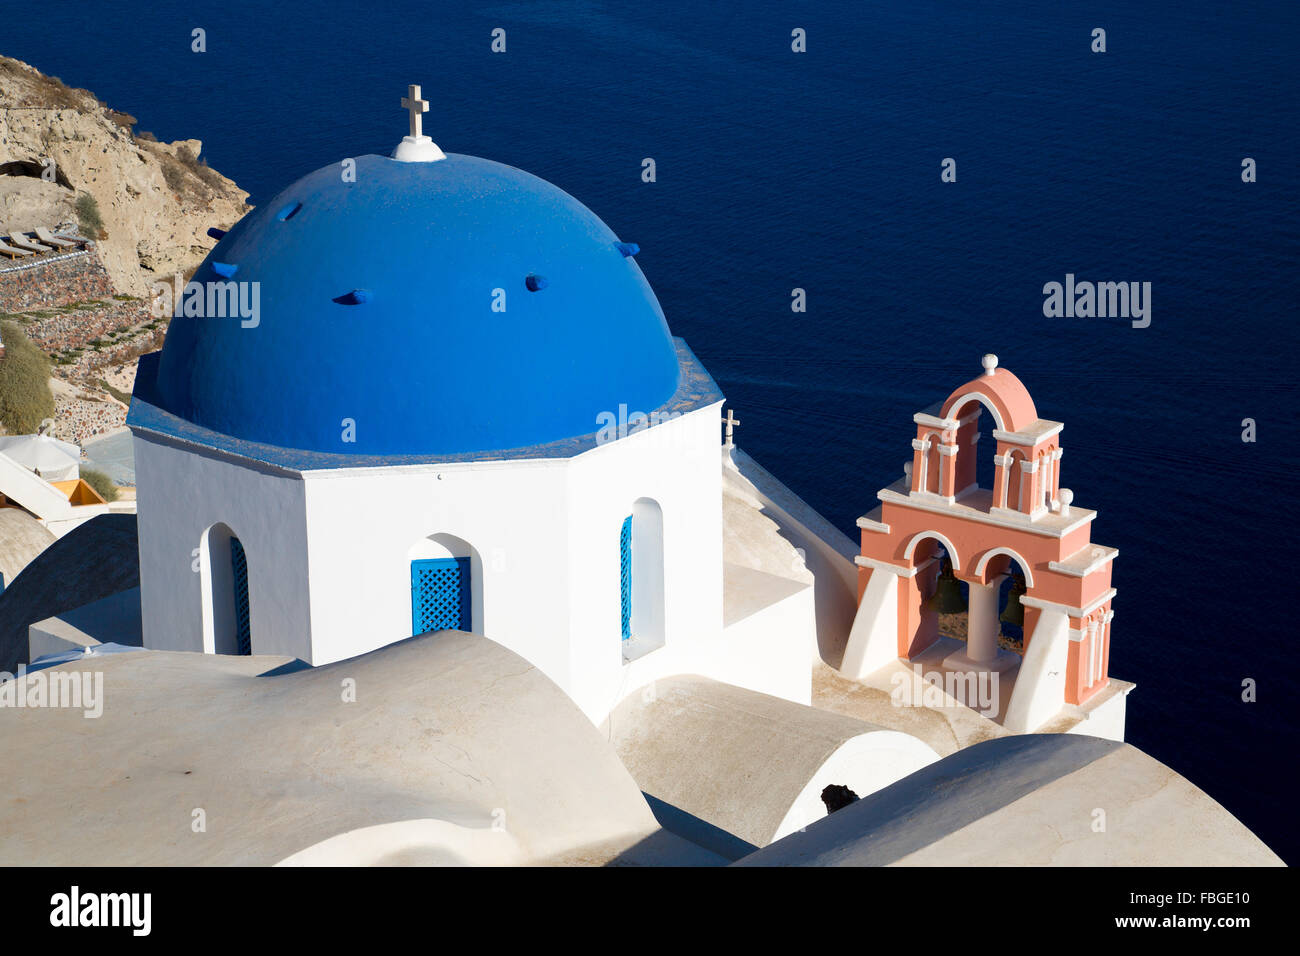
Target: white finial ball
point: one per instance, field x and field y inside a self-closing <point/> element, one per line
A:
<point x="990" y="362"/>
<point x="1066" y="497"/>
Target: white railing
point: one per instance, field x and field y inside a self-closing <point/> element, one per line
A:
<point x="44" y="260"/>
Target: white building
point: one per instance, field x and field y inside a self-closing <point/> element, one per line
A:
<point x="411" y="394"/>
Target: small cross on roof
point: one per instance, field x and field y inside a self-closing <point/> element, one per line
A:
<point x="417" y="108"/>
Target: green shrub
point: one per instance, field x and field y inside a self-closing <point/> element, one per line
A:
<point x="25" y="397"/>
<point x="100" y="482"/>
<point x="117" y="393"/>
<point x="88" y="217"/>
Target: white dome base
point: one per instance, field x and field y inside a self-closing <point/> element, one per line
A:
<point x="418" y="149"/>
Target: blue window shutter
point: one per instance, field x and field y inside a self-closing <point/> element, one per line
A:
<point x="239" y="565"/>
<point x="440" y="595"/>
<point x="625" y="574"/>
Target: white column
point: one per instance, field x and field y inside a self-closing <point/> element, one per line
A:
<point x="1002" y="461"/>
<point x="1092" y="653"/>
<point x="1056" y="478"/>
<point x="982" y="624"/>
<point x="924" y="448"/>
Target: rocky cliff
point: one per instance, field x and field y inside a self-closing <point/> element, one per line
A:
<point x="156" y="200"/>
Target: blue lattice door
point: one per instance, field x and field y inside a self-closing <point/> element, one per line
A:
<point x="440" y="595"/>
<point x="239" y="569"/>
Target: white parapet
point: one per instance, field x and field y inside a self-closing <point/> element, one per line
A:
<point x="1040" y="684"/>
<point x="873" y="641"/>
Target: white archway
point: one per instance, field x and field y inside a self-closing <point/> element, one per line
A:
<point x="963" y="400"/>
<point x="994" y="552"/>
<point x="942" y="539"/>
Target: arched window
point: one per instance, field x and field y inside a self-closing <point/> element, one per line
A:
<point x="930" y="463"/>
<point x="239" y="574"/>
<point x="227" y="622"/>
<point x="625" y="574"/>
<point x="446" y="585"/>
<point x="641" y="578"/>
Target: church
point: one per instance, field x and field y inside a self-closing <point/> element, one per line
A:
<point x="447" y="554"/>
<point x="300" y="497"/>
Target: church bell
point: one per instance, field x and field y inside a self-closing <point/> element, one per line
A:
<point x="947" y="597"/>
<point x="1014" y="612"/>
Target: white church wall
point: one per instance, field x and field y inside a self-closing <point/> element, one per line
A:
<point x="365" y="526"/>
<point x="827" y="552"/>
<point x="542" y="539"/>
<point x="181" y="493"/>
<point x="545" y="563"/>
<point x="767" y="651"/>
<point x="675" y="466"/>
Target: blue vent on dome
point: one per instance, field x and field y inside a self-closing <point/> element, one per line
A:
<point x="625" y="574"/>
<point x="216" y="233"/>
<point x="440" y="595"/>
<point x="288" y="212"/>
<point x="536" y="283"/>
<point x="355" y="297"/>
<point x="629" y="249"/>
<point x="224" y="269"/>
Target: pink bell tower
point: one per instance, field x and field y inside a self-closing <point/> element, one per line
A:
<point x="938" y="509"/>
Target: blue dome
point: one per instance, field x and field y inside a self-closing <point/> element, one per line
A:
<point x="377" y="306"/>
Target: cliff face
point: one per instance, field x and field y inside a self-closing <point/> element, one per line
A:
<point x="155" y="199"/>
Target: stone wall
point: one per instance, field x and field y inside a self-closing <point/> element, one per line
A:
<point x="66" y="330"/>
<point x="53" y="280"/>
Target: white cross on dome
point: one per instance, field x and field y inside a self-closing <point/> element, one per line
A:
<point x="416" y="147"/>
<point x="417" y="108"/>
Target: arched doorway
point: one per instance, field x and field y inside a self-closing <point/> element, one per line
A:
<point x="224" y="581"/>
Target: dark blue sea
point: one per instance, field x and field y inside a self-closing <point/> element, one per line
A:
<point x="821" y="171"/>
